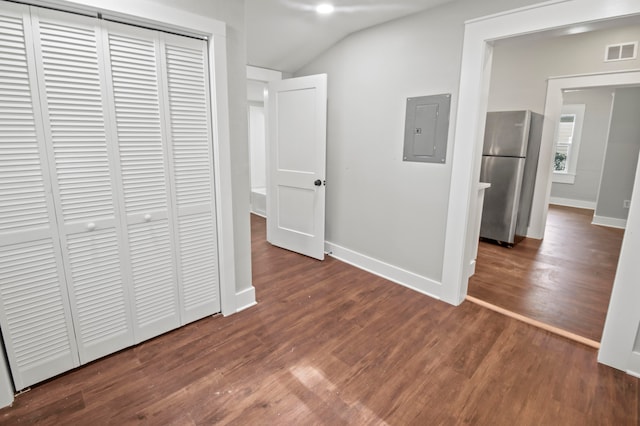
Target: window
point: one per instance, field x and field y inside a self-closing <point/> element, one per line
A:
<point x="568" y="143"/>
<point x="566" y="128"/>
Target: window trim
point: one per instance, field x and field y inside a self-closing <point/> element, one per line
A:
<point x="569" y="176"/>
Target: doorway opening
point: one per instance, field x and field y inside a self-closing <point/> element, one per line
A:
<point x="561" y="283"/>
<point x="257" y="82"/>
<point x="563" y="276"/>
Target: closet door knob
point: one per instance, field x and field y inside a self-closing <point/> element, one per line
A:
<point x="147" y="217"/>
<point x="91" y="226"/>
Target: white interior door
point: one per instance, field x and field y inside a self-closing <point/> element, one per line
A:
<point x="35" y="315"/>
<point x="191" y="164"/>
<point x="134" y="81"/>
<point x="296" y="153"/>
<point x="71" y="75"/>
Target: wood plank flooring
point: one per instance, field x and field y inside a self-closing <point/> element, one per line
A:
<point x="329" y="344"/>
<point x="565" y="280"/>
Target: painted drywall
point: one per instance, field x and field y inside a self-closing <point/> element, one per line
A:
<point x="522" y="65"/>
<point x="592" y="146"/>
<point x="257" y="136"/>
<point x="232" y="13"/>
<point x="257" y="147"/>
<point x="377" y="205"/>
<point x="621" y="158"/>
<point x="255" y="90"/>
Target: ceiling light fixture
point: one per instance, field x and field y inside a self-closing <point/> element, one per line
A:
<point x="325" y="8"/>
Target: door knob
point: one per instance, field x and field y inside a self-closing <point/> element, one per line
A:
<point x="147" y="217"/>
<point x="318" y="182"/>
<point x="91" y="226"/>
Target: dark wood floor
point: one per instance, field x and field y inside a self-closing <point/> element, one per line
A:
<point x="565" y="280"/>
<point x="331" y="344"/>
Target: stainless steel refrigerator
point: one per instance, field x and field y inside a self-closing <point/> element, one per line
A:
<point x="509" y="164"/>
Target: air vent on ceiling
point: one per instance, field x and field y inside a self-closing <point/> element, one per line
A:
<point x="621" y="52"/>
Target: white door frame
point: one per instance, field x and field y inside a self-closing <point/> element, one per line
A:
<point x="552" y="110"/>
<point x="301" y="179"/>
<point x="261" y="75"/>
<point x="472" y="107"/>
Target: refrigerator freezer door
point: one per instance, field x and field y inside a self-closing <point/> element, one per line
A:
<point x="529" y="177"/>
<point x="501" y="200"/>
<point x="506" y="133"/>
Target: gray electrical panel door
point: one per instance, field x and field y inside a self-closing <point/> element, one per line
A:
<point x="427" y="128"/>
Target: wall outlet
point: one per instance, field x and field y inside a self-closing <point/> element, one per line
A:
<point x="626" y="204"/>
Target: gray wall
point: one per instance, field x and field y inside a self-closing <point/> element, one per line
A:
<point x="592" y="146"/>
<point x="522" y="65"/>
<point x="232" y="13"/>
<point x="378" y="205"/>
<point x="622" y="155"/>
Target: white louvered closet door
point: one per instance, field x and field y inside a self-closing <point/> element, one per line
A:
<point x="34" y="307"/>
<point x="135" y="83"/>
<point x="72" y="85"/>
<point x="191" y="159"/>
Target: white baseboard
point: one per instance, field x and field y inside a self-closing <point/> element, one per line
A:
<point x="568" y="202"/>
<point x="400" y="276"/>
<point x="611" y="222"/>
<point x="246" y="299"/>
<point x="472" y="268"/>
<point x="259" y="202"/>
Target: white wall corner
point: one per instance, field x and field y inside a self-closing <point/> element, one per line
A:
<point x="568" y="202"/>
<point x="465" y="170"/>
<point x="392" y="273"/>
<point x="245" y="299"/>
<point x="611" y="222"/>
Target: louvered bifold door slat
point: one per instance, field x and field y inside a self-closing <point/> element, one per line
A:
<point x="190" y="145"/>
<point x="34" y="307"/>
<point x="134" y="81"/>
<point x="71" y="81"/>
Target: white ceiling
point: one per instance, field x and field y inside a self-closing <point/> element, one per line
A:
<point x="284" y="35"/>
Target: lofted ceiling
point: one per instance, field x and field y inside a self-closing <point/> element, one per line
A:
<point x="285" y="35"/>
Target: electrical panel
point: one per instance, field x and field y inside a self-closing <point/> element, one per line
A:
<point x="427" y="128"/>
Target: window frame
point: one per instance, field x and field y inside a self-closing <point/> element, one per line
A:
<point x="568" y="176"/>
